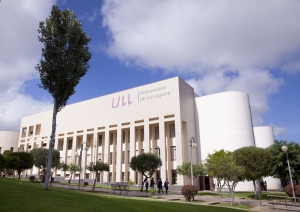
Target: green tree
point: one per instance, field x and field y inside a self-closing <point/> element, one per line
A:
<point x="26" y="161"/>
<point x="216" y="164"/>
<point x="257" y="164"/>
<point x="2" y="162"/>
<point x="72" y="169"/>
<point x="12" y="162"/>
<point x="7" y="153"/>
<point x="64" y="62"/>
<point x="279" y="161"/>
<point x="97" y="167"/>
<point x="40" y="157"/>
<point x="185" y="170"/>
<point x="146" y="164"/>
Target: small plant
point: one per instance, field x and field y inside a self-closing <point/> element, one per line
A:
<point x="288" y="190"/>
<point x="189" y="192"/>
<point x="31" y="178"/>
<point x="86" y="183"/>
<point x="153" y="192"/>
<point x="129" y="182"/>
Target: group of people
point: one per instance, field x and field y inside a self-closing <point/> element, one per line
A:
<point x="263" y="185"/>
<point x="159" y="185"/>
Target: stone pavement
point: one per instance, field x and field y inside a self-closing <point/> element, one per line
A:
<point x="175" y="196"/>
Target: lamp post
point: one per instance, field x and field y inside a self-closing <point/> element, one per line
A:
<point x="157" y="148"/>
<point x="285" y="149"/>
<point x="192" y="144"/>
<point x="80" y="157"/>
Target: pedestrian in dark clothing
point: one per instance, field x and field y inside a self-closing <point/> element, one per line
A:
<point x="159" y="186"/>
<point x="166" y="185"/>
<point x="152" y="184"/>
<point x="262" y="185"/>
<point x="146" y="185"/>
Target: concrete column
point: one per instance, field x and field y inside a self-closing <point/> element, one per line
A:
<point x="132" y="148"/>
<point x="106" y="152"/>
<point x="146" y="136"/>
<point x="119" y="154"/>
<point x="162" y="145"/>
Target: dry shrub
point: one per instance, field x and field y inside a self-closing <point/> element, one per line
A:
<point x="189" y="192"/>
<point x="288" y="190"/>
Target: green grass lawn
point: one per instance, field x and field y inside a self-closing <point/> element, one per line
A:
<point x="26" y="196"/>
<point x="249" y="195"/>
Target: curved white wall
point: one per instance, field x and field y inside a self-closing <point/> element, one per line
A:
<point x="263" y="136"/>
<point x="8" y="140"/>
<point x="224" y="122"/>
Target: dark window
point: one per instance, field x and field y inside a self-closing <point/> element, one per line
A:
<point x="110" y="158"/>
<point x="142" y="134"/>
<point x="123" y="136"/>
<point x="172" y="130"/>
<point x="70" y="144"/>
<point x="111" y="139"/>
<point x="100" y="140"/>
<point x="156" y="129"/>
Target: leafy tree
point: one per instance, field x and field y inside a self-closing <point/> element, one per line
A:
<point x="12" y="162"/>
<point x="64" y="62"/>
<point x="2" y="162"/>
<point x="279" y="161"/>
<point x="216" y="166"/>
<point x="26" y="161"/>
<point x="257" y="164"/>
<point x="7" y="153"/>
<point x="40" y="157"/>
<point x="146" y="164"/>
<point x="185" y="170"/>
<point x="72" y="169"/>
<point x="97" y="167"/>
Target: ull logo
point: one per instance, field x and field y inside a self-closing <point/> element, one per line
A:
<point x="125" y="101"/>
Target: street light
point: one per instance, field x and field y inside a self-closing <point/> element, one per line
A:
<point x="157" y="148"/>
<point x="193" y="145"/>
<point x="285" y="149"/>
<point x="80" y="157"/>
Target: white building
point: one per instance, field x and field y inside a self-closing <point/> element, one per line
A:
<point x="165" y="114"/>
<point x="9" y="141"/>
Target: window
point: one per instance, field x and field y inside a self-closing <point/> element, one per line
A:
<point x="156" y="131"/>
<point x="123" y="157"/>
<point x="111" y="139"/>
<point x="110" y="158"/>
<point x="69" y="160"/>
<point x="128" y="136"/>
<point x="70" y="144"/>
<point x="11" y="149"/>
<point x="99" y="156"/>
<point x="136" y="135"/>
<point x="88" y="159"/>
<point x="142" y="150"/>
<point x="24" y="130"/>
<point x="174" y="177"/>
<point x="128" y="156"/>
<point x="123" y="136"/>
<point x="100" y="140"/>
<point x="115" y="157"/>
<point x="60" y="145"/>
<point x="142" y="134"/>
<point x="110" y="177"/>
<point x="173" y="153"/>
<point x="44" y="144"/>
<point x="172" y="130"/>
<point x="123" y="177"/>
<point x="0" y="149"/>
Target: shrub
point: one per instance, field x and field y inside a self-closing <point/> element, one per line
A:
<point x="189" y="192"/>
<point x="153" y="192"/>
<point x="32" y="178"/>
<point x="86" y="183"/>
<point x="288" y="190"/>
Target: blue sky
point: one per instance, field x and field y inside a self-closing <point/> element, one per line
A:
<point x="215" y="46"/>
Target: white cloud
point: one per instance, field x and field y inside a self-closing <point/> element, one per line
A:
<point x="20" y="52"/>
<point x="278" y="130"/>
<point x="224" y="45"/>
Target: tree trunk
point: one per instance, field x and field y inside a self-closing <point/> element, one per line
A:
<point x="142" y="187"/>
<point x="257" y="189"/>
<point x="95" y="182"/>
<point x="51" y="146"/>
<point x="70" y="179"/>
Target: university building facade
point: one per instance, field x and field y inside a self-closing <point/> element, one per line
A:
<point x="160" y="118"/>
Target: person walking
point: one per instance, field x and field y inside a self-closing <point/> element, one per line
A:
<point x="152" y="184"/>
<point x="166" y="185"/>
<point x="146" y="185"/>
<point x="265" y="186"/>
<point x="159" y="186"/>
